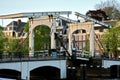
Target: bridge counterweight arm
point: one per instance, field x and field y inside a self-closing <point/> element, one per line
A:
<point x="91" y="19"/>
<point x="67" y="19"/>
<point x="34" y="14"/>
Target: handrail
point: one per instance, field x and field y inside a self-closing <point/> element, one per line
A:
<point x="16" y="57"/>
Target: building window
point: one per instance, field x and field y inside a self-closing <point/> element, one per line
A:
<point x="76" y="32"/>
<point x="14" y="34"/>
<point x="14" y="28"/>
<point x="83" y="31"/>
<point x="10" y="28"/>
<point x="101" y="30"/>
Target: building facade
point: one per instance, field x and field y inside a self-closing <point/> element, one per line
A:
<point x="14" y="29"/>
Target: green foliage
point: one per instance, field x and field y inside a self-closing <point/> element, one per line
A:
<point x="3" y="40"/>
<point x="87" y="47"/>
<point x="42" y="37"/>
<point x="112" y="39"/>
<point x="13" y="44"/>
<point x="26" y="27"/>
<point x="25" y="46"/>
<point x="16" y="46"/>
<point x="1" y="28"/>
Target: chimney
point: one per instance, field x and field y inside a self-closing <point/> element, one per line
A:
<point x="18" y="24"/>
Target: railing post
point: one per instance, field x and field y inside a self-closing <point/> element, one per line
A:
<point x="83" y="72"/>
<point x="1" y="56"/>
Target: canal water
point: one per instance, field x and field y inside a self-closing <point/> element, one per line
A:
<point x="6" y="79"/>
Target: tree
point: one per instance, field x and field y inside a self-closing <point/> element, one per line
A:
<point x="1" y="28"/>
<point x="111" y="39"/>
<point x="20" y="45"/>
<point x="3" y="40"/>
<point x="13" y="45"/>
<point x="26" y="27"/>
<point x="111" y="7"/>
<point x="97" y="14"/>
<point x="87" y="47"/>
<point x="42" y="37"/>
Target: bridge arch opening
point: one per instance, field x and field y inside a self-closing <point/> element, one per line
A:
<point x="8" y="73"/>
<point x="33" y="24"/>
<point x="42" y="39"/>
<point x="79" y="39"/>
<point x="45" y="72"/>
<point x="79" y="31"/>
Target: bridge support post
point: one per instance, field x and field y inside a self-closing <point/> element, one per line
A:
<point x="70" y="43"/>
<point x="25" y="73"/>
<point x="92" y="41"/>
<point x="83" y="72"/>
<point x="31" y="39"/>
<point x="63" y="70"/>
<point x="53" y="31"/>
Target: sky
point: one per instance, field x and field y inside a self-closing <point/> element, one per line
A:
<point x="18" y="6"/>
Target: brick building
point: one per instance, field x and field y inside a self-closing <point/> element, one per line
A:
<point x="14" y="29"/>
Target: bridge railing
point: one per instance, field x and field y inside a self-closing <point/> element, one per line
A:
<point x="18" y="56"/>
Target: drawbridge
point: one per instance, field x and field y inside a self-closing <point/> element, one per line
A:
<point x="55" y="19"/>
